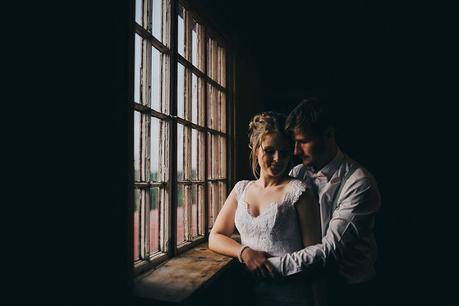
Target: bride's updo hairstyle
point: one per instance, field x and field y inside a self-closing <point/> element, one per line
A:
<point x="263" y="124"/>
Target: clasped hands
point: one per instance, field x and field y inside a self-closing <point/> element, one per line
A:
<point x="258" y="264"/>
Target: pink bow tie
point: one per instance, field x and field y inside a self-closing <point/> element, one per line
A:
<point x="317" y="176"/>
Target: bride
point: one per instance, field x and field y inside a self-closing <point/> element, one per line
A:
<point x="274" y="214"/>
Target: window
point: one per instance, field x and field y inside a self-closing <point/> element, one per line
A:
<point x="180" y="147"/>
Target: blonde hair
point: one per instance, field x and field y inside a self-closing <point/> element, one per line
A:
<point x="263" y="124"/>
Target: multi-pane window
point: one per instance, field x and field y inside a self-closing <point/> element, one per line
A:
<point x="180" y="129"/>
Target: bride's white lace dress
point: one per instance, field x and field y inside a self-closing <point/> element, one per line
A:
<point x="277" y="232"/>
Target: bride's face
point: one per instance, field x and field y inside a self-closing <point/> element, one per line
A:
<point x="274" y="155"/>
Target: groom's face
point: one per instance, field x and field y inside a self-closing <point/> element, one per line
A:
<point x="309" y="148"/>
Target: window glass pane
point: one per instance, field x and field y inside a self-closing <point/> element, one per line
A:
<point x="210" y="206"/>
<point x="214" y="200"/>
<point x="209" y="57"/>
<point x="194" y="42"/>
<point x="194" y="210"/>
<point x="180" y="90"/>
<point x="212" y="104"/>
<point x="164" y="83"/>
<point x="187" y="152"/>
<point x="194" y="98"/>
<point x="201" y="155"/>
<point x="157" y="19"/>
<point x="137" y="68"/>
<point x="222" y="112"/>
<point x="181" y="31"/>
<point x="221" y="66"/>
<point x="156" y="79"/>
<point x="214" y="108"/>
<point x="201" y="102"/>
<point x="200" y="47"/>
<point x="137" y="199"/>
<point x="201" y="209"/>
<point x="223" y="161"/>
<point x="180" y="152"/>
<point x="216" y="153"/>
<point x="137" y="143"/>
<point x="194" y="154"/>
<point x="138" y="11"/>
<point x="154" y="219"/>
<point x="180" y="213"/>
<point x="209" y="155"/>
<point x="155" y="149"/>
<point x="222" y="196"/>
<point x="216" y="167"/>
<point x="217" y="110"/>
<point x="213" y="59"/>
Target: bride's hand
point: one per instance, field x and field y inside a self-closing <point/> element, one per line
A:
<point x="256" y="262"/>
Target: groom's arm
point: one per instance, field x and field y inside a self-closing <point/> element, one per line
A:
<point x="354" y="216"/>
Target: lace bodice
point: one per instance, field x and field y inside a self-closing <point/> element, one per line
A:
<point x="275" y="231"/>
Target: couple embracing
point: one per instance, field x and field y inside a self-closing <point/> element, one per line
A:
<point x="307" y="233"/>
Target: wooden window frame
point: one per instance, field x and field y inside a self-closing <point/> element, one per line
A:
<point x="168" y="183"/>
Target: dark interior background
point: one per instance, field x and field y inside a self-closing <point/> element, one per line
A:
<point x="385" y="67"/>
<point x="388" y="67"/>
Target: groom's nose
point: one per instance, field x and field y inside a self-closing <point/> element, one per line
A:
<point x="297" y="148"/>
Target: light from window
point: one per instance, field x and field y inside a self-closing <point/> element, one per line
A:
<point x="181" y="31"/>
<point x="181" y="91"/>
<point x="197" y="115"/>
<point x="155" y="97"/>
<point x="137" y="68"/>
<point x="157" y="19"/>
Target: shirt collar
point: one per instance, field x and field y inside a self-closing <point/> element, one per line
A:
<point x="329" y="169"/>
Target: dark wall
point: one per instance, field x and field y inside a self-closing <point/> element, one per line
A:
<point x="74" y="237"/>
<point x="385" y="66"/>
<point x="82" y="249"/>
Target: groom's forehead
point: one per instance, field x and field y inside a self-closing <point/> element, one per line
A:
<point x="299" y="134"/>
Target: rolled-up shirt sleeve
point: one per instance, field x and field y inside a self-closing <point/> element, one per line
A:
<point x="351" y="222"/>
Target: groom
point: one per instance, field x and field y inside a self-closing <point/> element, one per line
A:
<point x="349" y="200"/>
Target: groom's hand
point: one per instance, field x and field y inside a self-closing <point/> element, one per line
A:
<point x="257" y="263"/>
<point x="271" y="270"/>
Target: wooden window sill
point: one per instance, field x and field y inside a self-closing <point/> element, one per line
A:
<point x="176" y="280"/>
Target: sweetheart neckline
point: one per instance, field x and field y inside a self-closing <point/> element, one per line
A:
<point x="265" y="211"/>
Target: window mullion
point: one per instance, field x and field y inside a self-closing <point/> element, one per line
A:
<point x="187" y="136"/>
<point x="148" y="5"/>
<point x="202" y="200"/>
<point x="164" y="174"/>
<point x="172" y="190"/>
<point x="187" y="173"/>
<point x="206" y="136"/>
<point x="147" y="179"/>
<point x="143" y="230"/>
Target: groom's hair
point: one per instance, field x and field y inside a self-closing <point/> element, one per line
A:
<point x="311" y="116"/>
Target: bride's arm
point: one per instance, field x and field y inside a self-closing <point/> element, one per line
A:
<point x="309" y="220"/>
<point x="220" y="236"/>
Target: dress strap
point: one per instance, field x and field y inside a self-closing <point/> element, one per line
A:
<point x="240" y="187"/>
<point x="295" y="189"/>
